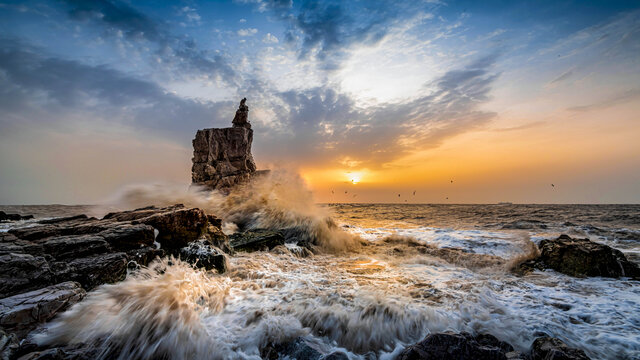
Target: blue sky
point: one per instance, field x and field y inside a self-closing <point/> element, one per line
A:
<point x="100" y="94"/>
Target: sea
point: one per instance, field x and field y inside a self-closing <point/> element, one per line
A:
<point x="369" y="290"/>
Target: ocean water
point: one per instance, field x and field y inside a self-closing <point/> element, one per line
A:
<point x="371" y="288"/>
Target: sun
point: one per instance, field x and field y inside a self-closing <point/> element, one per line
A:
<point x="354" y="178"/>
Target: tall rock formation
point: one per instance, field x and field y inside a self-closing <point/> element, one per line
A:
<point x="222" y="157"/>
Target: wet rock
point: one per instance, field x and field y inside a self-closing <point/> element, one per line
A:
<point x="65" y="247"/>
<point x="68" y="352"/>
<point x="8" y="345"/>
<point x="143" y="256"/>
<point x="336" y="355"/>
<point x="23" y="272"/>
<point x="23" y="312"/>
<point x="256" y="240"/>
<point x="548" y="348"/>
<point x="581" y="257"/>
<point x="126" y="236"/>
<point x="95" y="270"/>
<point x="13" y="217"/>
<point x="299" y="349"/>
<point x="457" y="346"/>
<point x="177" y="227"/>
<point x="203" y="255"/>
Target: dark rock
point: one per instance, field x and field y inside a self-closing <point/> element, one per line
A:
<point x="68" y="352"/>
<point x="13" y="217"/>
<point x="256" y="240"/>
<point x="23" y="272"/>
<point x="299" y="349"/>
<point x="451" y="346"/>
<point x="8" y="345"/>
<point x="23" y="312"/>
<point x="581" y="257"/>
<point x="242" y="116"/>
<point x="143" y="256"/>
<point x="203" y="255"/>
<point x="548" y="348"/>
<point x="336" y="355"/>
<point x="95" y="270"/>
<point x="75" y="246"/>
<point x="177" y="227"/>
<point x="126" y="237"/>
<point x="63" y="219"/>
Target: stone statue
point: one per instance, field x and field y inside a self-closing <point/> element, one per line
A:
<point x="242" y="115"/>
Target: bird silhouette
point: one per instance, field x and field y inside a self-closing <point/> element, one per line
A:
<point x="414" y="193"/>
<point x="332" y="192"/>
<point x="452" y="181"/>
<point x="345" y="192"/>
<point x="553" y="185"/>
<point x="398" y="195"/>
<point x="447" y="198"/>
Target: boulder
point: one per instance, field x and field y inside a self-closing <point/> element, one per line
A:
<point x="23" y="272"/>
<point x="548" y="348"/>
<point x="13" y="217"/>
<point x="22" y="313"/>
<point x="204" y="255"/>
<point x="177" y="227"/>
<point x="256" y="240"/>
<point x="93" y="271"/>
<point x="580" y="258"/>
<point x="452" y="346"/>
<point x="299" y="349"/>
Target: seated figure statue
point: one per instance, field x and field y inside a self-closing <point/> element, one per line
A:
<point x="242" y="115"/>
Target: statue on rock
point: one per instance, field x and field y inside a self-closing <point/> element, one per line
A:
<point x="242" y="115"/>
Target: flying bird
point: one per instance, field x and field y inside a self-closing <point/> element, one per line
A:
<point x="414" y="193"/>
<point x="398" y="195"/>
<point x="332" y="192"/>
<point x="452" y="181"/>
<point x="553" y="185"/>
<point x="345" y="192"/>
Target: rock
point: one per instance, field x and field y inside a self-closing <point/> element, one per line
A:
<point x="242" y="116"/>
<point x="336" y="355"/>
<point x="69" y="352"/>
<point x="256" y="240"/>
<point x="129" y="236"/>
<point x="8" y="345"/>
<point x="457" y="346"/>
<point x="22" y="313"/>
<point x="222" y="157"/>
<point x="203" y="255"/>
<point x="13" y="217"/>
<point x="177" y="227"/>
<point x="95" y="270"/>
<point x="581" y="257"/>
<point x="548" y="348"/>
<point x="298" y="349"/>
<point x="23" y="272"/>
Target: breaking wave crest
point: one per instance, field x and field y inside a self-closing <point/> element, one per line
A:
<point x="279" y="200"/>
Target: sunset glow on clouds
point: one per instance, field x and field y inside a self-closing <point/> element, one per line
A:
<point x="373" y="98"/>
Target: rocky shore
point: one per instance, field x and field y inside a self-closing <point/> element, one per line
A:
<point x="49" y="265"/>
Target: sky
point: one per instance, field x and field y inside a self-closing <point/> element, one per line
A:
<point x="457" y="101"/>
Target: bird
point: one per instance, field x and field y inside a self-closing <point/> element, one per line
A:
<point x="447" y="198"/>
<point x="398" y="195"/>
<point x="405" y="201"/>
<point x="414" y="193"/>
<point x="332" y="192"/>
<point x="345" y="192"/>
<point x="553" y="185"/>
<point x="452" y="181"/>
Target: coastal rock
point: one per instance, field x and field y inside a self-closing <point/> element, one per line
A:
<point x="222" y="157"/>
<point x="548" y="348"/>
<point x="96" y="251"/>
<point x="580" y="258"/>
<point x="203" y="255"/>
<point x="298" y="349"/>
<point x="256" y="240"/>
<point x="13" y="217"/>
<point x="451" y="346"/>
<point x="22" y="313"/>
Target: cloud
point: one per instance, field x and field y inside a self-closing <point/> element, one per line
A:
<point x="326" y="30"/>
<point x="522" y="127"/>
<point x="119" y="19"/>
<point x="562" y="77"/>
<point x="45" y="91"/>
<point x="191" y="14"/>
<point x="614" y="100"/>
<point x="247" y="32"/>
<point x="270" y="39"/>
<point x="323" y="125"/>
